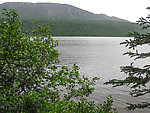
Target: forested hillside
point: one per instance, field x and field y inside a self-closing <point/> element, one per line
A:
<point x="42" y="11"/>
<point x="84" y="28"/>
<point x="67" y="20"/>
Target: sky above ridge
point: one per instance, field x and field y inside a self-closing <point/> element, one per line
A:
<point x="130" y="10"/>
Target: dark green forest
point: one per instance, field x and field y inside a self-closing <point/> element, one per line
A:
<point x="67" y="20"/>
<point x="82" y="28"/>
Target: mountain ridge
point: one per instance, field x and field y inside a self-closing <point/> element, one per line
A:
<point x="55" y="11"/>
<point x="67" y="20"/>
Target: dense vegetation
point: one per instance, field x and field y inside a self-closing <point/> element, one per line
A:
<point x="83" y="28"/>
<point x="138" y="76"/>
<point x="67" y="20"/>
<point x="31" y="81"/>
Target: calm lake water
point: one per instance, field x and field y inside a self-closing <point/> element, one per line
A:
<point x="102" y="57"/>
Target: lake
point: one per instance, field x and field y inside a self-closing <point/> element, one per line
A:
<point x="101" y="57"/>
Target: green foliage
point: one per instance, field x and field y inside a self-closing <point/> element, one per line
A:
<point x="66" y="20"/>
<point x="83" y="27"/>
<point x="31" y="81"/>
<point x="83" y="106"/>
<point x="138" y="77"/>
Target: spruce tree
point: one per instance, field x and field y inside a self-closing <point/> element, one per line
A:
<point x="138" y="77"/>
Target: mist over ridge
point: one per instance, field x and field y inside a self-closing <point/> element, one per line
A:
<point x="67" y="20"/>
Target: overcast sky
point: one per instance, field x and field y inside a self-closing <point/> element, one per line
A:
<point x="130" y="10"/>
